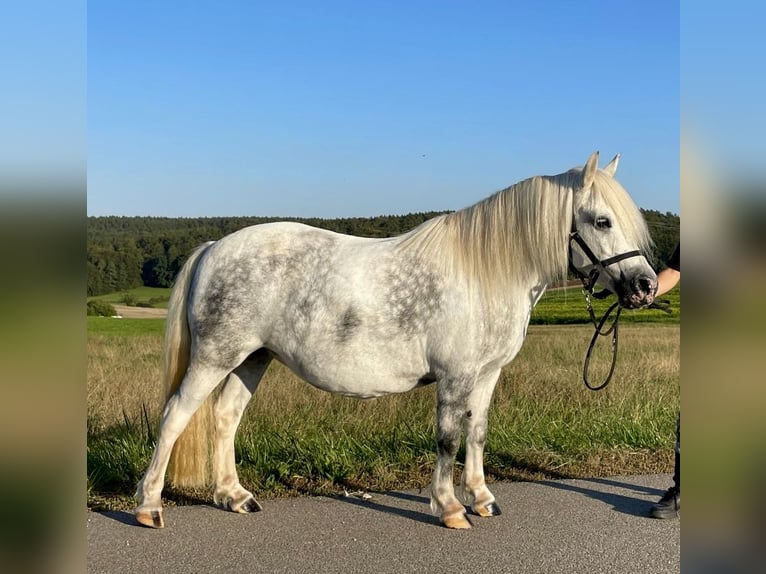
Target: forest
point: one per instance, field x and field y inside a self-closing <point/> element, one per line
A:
<point x="127" y="252"/>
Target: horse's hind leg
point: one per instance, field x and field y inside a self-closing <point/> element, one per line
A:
<point x="450" y="409"/>
<point x="475" y="489"/>
<point x="198" y="383"/>
<point x="235" y="394"/>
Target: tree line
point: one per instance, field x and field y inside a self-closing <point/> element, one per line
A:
<point x="127" y="252"/>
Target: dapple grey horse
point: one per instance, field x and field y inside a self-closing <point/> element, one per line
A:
<point x="446" y="303"/>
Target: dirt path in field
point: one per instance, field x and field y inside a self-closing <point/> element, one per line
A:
<point x="140" y="312"/>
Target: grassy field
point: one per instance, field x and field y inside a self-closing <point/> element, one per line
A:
<point x="151" y="296"/>
<point x="106" y="326"/>
<point x="567" y="306"/>
<point x="295" y="439"/>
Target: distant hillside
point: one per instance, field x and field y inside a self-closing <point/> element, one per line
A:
<point x="127" y="252"/>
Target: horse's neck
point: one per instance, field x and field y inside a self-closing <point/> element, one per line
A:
<point x="523" y="295"/>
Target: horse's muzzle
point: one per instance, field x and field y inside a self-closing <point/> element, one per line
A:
<point x="639" y="292"/>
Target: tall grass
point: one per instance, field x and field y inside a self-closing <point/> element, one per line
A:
<point x="294" y="438"/>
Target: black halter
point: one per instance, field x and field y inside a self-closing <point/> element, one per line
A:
<point x="588" y="283"/>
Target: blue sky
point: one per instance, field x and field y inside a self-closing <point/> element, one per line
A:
<point x="42" y="94"/>
<point x="723" y="88"/>
<point x="335" y="109"/>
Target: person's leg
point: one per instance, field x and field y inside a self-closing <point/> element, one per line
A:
<point x="669" y="506"/>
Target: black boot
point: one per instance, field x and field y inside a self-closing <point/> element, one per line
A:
<point x="669" y="505"/>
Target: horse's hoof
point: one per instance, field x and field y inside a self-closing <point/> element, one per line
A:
<point x="246" y="507"/>
<point x="150" y="518"/>
<point x="491" y="509"/>
<point x="251" y="505"/>
<point x="457" y="521"/>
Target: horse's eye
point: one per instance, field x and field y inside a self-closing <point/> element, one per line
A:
<point x="603" y="223"/>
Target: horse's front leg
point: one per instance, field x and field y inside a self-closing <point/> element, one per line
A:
<point x="474" y="487"/>
<point x="450" y="410"/>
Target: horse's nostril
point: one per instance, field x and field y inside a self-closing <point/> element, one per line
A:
<point x="644" y="284"/>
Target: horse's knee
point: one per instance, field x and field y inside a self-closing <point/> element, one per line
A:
<point x="448" y="444"/>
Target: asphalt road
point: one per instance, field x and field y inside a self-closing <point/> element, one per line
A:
<point x="568" y="526"/>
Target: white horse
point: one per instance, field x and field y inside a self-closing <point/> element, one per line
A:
<point x="447" y="303"/>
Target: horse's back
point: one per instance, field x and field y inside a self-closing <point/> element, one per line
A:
<point x="313" y="297"/>
<point x="263" y="266"/>
<point x="284" y="237"/>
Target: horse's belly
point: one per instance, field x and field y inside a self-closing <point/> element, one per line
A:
<point x="361" y="375"/>
<point x="365" y="387"/>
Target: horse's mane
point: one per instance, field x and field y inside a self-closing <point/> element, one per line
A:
<point x="520" y="232"/>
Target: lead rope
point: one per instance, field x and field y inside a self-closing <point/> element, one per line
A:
<point x="588" y="283"/>
<point x="599" y="332"/>
<point x="661" y="304"/>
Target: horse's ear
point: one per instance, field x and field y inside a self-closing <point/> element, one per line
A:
<point x="589" y="172"/>
<point x="611" y="167"/>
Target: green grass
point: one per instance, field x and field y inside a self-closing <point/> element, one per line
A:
<point x="124" y="327"/>
<point x="155" y="296"/>
<point x="567" y="306"/>
<point x="117" y="457"/>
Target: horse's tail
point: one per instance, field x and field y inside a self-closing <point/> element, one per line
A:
<point x="190" y="460"/>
